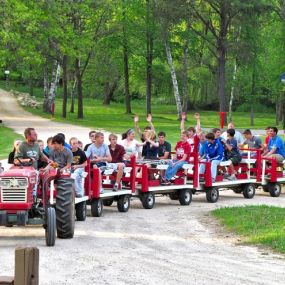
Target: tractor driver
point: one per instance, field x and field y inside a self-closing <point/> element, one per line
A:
<point x="30" y="151"/>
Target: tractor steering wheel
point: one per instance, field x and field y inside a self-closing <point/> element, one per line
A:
<point x="30" y="162"/>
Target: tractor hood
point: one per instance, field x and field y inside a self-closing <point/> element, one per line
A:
<point x="16" y="171"/>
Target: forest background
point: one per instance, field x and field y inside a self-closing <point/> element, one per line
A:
<point x="148" y="56"/>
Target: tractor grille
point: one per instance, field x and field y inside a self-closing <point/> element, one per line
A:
<point x="14" y="192"/>
<point x="13" y="195"/>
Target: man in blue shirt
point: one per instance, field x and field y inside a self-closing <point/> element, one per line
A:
<point x="214" y="152"/>
<point x="275" y="146"/>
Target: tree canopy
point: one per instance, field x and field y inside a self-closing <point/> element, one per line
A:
<point x="214" y="54"/>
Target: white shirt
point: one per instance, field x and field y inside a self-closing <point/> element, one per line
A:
<point x="238" y="136"/>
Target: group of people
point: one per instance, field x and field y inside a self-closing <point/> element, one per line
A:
<point x="230" y="146"/>
<point x="214" y="146"/>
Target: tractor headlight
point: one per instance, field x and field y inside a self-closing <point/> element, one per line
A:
<point x="23" y="183"/>
<point x="5" y="183"/>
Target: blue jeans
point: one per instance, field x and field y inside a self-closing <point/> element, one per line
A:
<point x="77" y="176"/>
<point x="171" y="170"/>
<point x="214" y="167"/>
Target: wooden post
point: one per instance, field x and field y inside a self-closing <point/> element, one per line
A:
<point x="26" y="266"/>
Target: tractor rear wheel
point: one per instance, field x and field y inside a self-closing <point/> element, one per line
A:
<point x="80" y="211"/>
<point x="65" y="208"/>
<point x="50" y="227"/>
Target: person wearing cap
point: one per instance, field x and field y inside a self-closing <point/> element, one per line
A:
<point x="252" y="141"/>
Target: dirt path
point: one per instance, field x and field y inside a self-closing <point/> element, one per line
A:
<point x="169" y="244"/>
<point x="13" y="116"/>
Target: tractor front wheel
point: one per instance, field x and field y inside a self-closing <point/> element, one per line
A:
<point x="50" y="226"/>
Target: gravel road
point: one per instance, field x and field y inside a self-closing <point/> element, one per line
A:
<point x="170" y="244"/>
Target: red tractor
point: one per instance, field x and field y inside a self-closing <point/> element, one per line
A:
<point x="17" y="205"/>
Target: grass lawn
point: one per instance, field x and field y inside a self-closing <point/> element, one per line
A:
<point x="260" y="225"/>
<point x="7" y="138"/>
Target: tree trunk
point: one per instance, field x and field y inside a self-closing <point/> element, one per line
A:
<point x="72" y="95"/>
<point x="174" y="79"/>
<point x="149" y="57"/>
<point x="253" y="89"/>
<point x="276" y="112"/>
<point x="126" y="63"/>
<point x="185" y="78"/>
<point x="31" y="83"/>
<point x="79" y="89"/>
<point x="221" y="50"/>
<point x="232" y="92"/>
<point x="109" y="91"/>
<point x="53" y="86"/>
<point x="46" y="88"/>
<point x="64" y="77"/>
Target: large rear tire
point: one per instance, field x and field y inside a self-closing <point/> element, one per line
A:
<point x="96" y="207"/>
<point x="212" y="194"/>
<point x="123" y="203"/>
<point x="65" y="208"/>
<point x="185" y="197"/>
<point x="80" y="211"/>
<point x="50" y="227"/>
<point x="274" y="189"/>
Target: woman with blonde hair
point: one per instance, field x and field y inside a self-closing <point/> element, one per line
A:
<point x="12" y="153"/>
<point x="150" y="144"/>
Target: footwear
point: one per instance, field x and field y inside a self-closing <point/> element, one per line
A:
<point x="116" y="187"/>
<point x="101" y="191"/>
<point x="213" y="180"/>
<point x="174" y="177"/>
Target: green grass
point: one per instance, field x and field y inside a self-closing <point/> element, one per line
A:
<point x="259" y="225"/>
<point x="113" y="118"/>
<point x="7" y="138"/>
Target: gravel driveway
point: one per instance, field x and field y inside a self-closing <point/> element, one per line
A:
<point x="170" y="244"/>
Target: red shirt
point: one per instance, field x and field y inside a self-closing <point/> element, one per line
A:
<point x="266" y="141"/>
<point x="181" y="149"/>
<point x="117" y="154"/>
